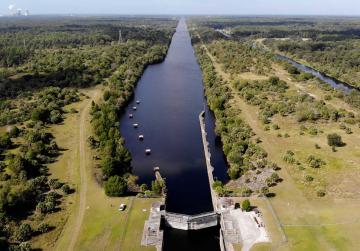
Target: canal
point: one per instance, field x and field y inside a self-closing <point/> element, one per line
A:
<point x="335" y="83"/>
<point x="327" y="79"/>
<point x="171" y="96"/>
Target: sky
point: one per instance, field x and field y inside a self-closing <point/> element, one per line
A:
<point x="217" y="7"/>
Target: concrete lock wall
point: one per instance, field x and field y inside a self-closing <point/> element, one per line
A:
<point x="188" y="222"/>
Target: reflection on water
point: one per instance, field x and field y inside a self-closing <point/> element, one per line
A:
<point x="171" y="95"/>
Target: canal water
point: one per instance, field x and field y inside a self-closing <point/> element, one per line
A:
<point x="331" y="81"/>
<point x="171" y="99"/>
<point x="337" y="84"/>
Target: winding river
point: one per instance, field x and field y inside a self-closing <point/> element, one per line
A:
<point x="171" y="99"/>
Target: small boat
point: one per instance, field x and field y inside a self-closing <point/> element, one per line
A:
<point x="141" y="137"/>
<point x="135" y="125"/>
<point x="131" y="116"/>
<point x="137" y="101"/>
<point x="148" y="151"/>
<point x="134" y="108"/>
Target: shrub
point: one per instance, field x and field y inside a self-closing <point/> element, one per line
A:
<point x="221" y="191"/>
<point x="274" y="166"/>
<point x="54" y="184"/>
<point x="233" y="173"/>
<point x="348" y="130"/>
<point x="315" y="162"/>
<point x="157" y="187"/>
<point x="264" y="190"/>
<point x="334" y="140"/>
<point x="107" y="95"/>
<point x="24" y="246"/>
<point x="313" y="131"/>
<point x="143" y="187"/>
<point x="309" y="178"/>
<point x="44" y="228"/>
<point x="40" y="114"/>
<point x="115" y="186"/>
<point x="327" y="97"/>
<point x="55" y="117"/>
<point x="24" y="232"/>
<point x="342" y="126"/>
<point x="217" y="183"/>
<point x="245" y="191"/>
<point x="275" y="177"/>
<point x="320" y="193"/>
<point x="14" y="132"/>
<point x="246" y="206"/>
<point x="66" y="189"/>
<point x="317" y="146"/>
<point x="275" y="127"/>
<point x="289" y="157"/>
<point x="41" y="208"/>
<point x="5" y="142"/>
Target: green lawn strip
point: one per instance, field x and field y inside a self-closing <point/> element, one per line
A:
<point x="134" y="226"/>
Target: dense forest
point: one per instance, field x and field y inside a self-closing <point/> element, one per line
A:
<point x="43" y="60"/>
<point x="320" y="28"/>
<point x="67" y="52"/>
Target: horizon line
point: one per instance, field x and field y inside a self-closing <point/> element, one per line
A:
<point x="177" y="15"/>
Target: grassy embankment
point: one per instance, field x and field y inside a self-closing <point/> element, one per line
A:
<point x="88" y="219"/>
<point x="309" y="222"/>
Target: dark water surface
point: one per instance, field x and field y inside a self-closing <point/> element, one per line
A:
<point x="171" y="96"/>
<point x="331" y="81"/>
<point x="335" y="83"/>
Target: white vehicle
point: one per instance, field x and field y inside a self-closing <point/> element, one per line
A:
<point x="122" y="207"/>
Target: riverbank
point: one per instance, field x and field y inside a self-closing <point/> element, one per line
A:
<point x="209" y="167"/>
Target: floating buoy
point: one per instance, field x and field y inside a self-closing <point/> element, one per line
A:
<point x="148" y="151"/>
<point x="141" y="137"/>
<point x="137" y="101"/>
<point x="134" y="108"/>
<point x="131" y="116"/>
<point x="135" y="125"/>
